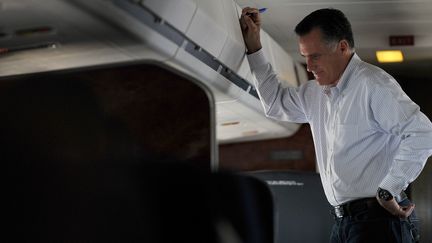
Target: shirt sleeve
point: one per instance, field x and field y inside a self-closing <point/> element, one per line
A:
<point x="396" y="114"/>
<point x="286" y="104"/>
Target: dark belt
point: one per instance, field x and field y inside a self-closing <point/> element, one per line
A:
<point x="354" y="207"/>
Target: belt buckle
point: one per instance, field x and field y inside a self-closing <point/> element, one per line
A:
<point x="339" y="211"/>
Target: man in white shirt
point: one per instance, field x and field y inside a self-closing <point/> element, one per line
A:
<point x="371" y="140"/>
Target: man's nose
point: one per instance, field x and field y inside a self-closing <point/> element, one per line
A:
<point x="310" y="66"/>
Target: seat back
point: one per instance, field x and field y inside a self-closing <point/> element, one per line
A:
<point x="302" y="210"/>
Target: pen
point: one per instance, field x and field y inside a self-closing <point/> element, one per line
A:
<point x="261" y="10"/>
<point x="4" y="50"/>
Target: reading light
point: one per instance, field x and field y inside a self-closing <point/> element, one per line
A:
<point x="230" y="123"/>
<point x="389" y="56"/>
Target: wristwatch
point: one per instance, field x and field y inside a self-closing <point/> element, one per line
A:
<point x="384" y="194"/>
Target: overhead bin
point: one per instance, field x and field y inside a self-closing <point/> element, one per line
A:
<point x="178" y="13"/>
<point x="281" y="62"/>
<point x="233" y="52"/>
<point x="209" y="30"/>
<point x="223" y="89"/>
<point x="207" y="26"/>
<point x="124" y="15"/>
<point x="207" y="39"/>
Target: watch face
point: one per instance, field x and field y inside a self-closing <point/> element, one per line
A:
<point x="384" y="194"/>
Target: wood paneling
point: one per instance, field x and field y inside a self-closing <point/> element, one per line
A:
<point x="258" y="155"/>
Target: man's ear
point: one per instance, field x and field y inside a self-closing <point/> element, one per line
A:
<point x="343" y="46"/>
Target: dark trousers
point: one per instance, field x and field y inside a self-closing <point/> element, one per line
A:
<point x="374" y="225"/>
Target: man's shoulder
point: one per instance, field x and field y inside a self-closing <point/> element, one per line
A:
<point x="375" y="76"/>
<point x="366" y="68"/>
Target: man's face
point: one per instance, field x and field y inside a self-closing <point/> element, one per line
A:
<point x="325" y="62"/>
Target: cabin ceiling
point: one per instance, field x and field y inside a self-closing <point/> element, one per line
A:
<point x="372" y="21"/>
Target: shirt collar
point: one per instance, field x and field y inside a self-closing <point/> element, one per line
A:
<point x="348" y="72"/>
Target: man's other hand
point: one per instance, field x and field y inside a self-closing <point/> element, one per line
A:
<point x="394" y="208"/>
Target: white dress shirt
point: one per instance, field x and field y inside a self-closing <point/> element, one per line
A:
<point x="367" y="132"/>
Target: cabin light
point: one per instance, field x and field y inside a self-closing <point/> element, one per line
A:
<point x="34" y="31"/>
<point x="389" y="56"/>
<point x="230" y="123"/>
<point x="250" y="133"/>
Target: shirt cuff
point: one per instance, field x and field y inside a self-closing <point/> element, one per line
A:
<point x="257" y="59"/>
<point x="390" y="184"/>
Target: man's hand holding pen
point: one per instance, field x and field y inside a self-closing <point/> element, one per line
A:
<point x="250" y="23"/>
